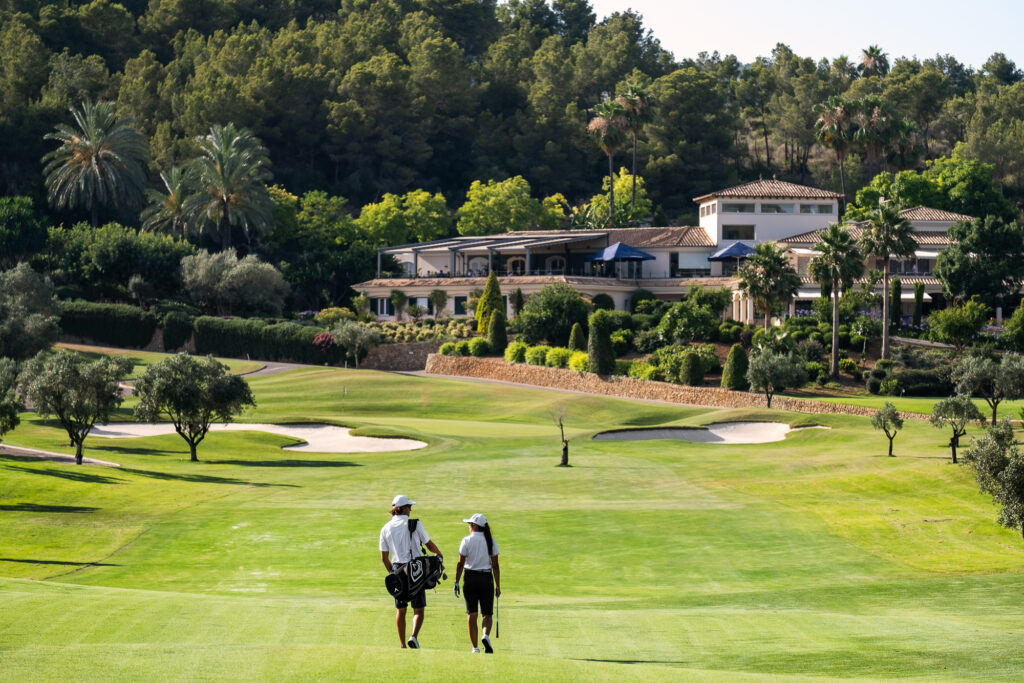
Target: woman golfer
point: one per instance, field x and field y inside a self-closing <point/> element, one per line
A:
<point x="478" y="556"/>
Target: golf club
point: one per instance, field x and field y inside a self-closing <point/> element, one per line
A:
<point x="497" y="604"/>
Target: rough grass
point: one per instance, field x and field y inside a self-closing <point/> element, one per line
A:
<point x="817" y="556"/>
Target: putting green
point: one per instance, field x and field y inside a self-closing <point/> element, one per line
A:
<point x="813" y="557"/>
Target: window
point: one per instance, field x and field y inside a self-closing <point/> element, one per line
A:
<point x="737" y="207"/>
<point x="737" y="232"/>
<point x="383" y="306"/>
<point x="692" y="272"/>
<point x="778" y="208"/>
<point x="816" y="208"/>
<point x="703" y="211"/>
<point x="460" y="305"/>
<point x="714" y="208"/>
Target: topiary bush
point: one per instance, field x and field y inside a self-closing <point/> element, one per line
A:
<point x="497" y="334"/>
<point x="112" y="324"/>
<point x="558" y="357"/>
<point x="478" y="347"/>
<point x="177" y="328"/>
<point x="603" y="302"/>
<point x="849" y="366"/>
<point x="578" y="361"/>
<point x="537" y="355"/>
<point x="816" y="371"/>
<point x="622" y="341"/>
<point x="516" y="352"/>
<point x="462" y="348"/>
<point x="692" y="369"/>
<point x="734" y="376"/>
<point x="577" y="338"/>
<point x="599" y="344"/>
<point x="447" y="349"/>
<point x="874" y="385"/>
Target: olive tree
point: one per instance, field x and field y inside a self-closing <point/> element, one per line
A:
<point x="992" y="381"/>
<point x="956" y="413"/>
<point x="78" y="393"/>
<point x="356" y="339"/>
<point x="999" y="467"/>
<point x="192" y="393"/>
<point x="770" y="373"/>
<point x="10" y="404"/>
<point x="888" y="419"/>
<point x="28" y="312"/>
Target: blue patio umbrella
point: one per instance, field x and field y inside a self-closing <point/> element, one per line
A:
<point x="620" y="252"/>
<point x="736" y="250"/>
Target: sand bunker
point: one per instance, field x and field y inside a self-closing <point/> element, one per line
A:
<point x="318" y="438"/>
<point x="722" y="432"/>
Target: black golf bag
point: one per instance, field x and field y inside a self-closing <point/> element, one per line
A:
<point x="421" y="573"/>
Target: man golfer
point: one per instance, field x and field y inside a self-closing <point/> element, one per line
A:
<point x="397" y="548"/>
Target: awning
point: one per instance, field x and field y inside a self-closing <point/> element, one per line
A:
<point x="926" y="253"/>
<point x="621" y="252"/>
<point x="736" y="250"/>
<point x="800" y="251"/>
<point x="806" y="294"/>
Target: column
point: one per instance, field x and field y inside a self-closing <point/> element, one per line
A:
<point x="750" y="311"/>
<point x="999" y="314"/>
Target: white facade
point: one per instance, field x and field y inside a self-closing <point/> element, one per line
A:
<point x="735" y="219"/>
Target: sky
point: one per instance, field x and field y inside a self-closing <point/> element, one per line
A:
<point x="970" y="31"/>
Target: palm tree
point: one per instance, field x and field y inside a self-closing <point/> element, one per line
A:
<point x="887" y="234"/>
<point x="874" y="62"/>
<point x="636" y="100"/>
<point x="608" y="128"/>
<point x="837" y="265"/>
<point x="904" y="149"/>
<point x="873" y="126"/>
<point x="230" y="177"/>
<point x="844" y="68"/>
<point x="768" y="278"/>
<point x="166" y="211"/>
<point x="100" y="162"/>
<point x="834" y="130"/>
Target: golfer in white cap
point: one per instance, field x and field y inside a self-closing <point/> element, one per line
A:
<point x="397" y="548"/>
<point x="478" y="556"/>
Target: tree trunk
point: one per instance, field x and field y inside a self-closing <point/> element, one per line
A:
<point x="885" y="307"/>
<point x="767" y="317"/>
<point x="611" y="192"/>
<point x="78" y="452"/>
<point x="953" y="443"/>
<point x="632" y="204"/>
<point x="192" y="452"/>
<point x="995" y="407"/>
<point x="835" y="337"/>
<point x="842" y="181"/>
<point x="768" y="395"/>
<point x="890" y="444"/>
<point x="767" y="151"/>
<point x="565" y="454"/>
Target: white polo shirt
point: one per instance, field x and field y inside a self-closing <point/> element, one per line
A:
<point x="394" y="537"/>
<point x="474" y="549"/>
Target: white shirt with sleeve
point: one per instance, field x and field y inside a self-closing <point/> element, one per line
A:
<point x="474" y="549"/>
<point x="395" y="538"/>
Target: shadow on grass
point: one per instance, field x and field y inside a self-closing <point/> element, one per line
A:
<point x="60" y="562"/>
<point x="287" y="463"/>
<point x="202" y="478"/>
<point x="133" y="450"/>
<point x="35" y="507"/>
<point x="65" y="474"/>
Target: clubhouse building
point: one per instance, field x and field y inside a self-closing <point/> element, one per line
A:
<point x="666" y="261"/>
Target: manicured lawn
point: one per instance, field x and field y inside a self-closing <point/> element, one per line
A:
<point x="813" y="557"/>
<point x="144" y="359"/>
<point x="918" y="404"/>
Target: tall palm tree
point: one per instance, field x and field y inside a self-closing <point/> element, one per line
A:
<point x="874" y="62"/>
<point x="838" y="263"/>
<point x="834" y="129"/>
<point x="887" y="234"/>
<point x="608" y="128"/>
<point x="166" y="210"/>
<point x="768" y="278"/>
<point x="231" y="175"/>
<point x="844" y="68"/>
<point x="905" y="150"/>
<point x="637" y="101"/>
<point x="873" y="126"/>
<point x="100" y="162"/>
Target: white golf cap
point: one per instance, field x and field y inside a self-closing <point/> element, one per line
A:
<point x="477" y="519"/>
<point x="401" y="501"/>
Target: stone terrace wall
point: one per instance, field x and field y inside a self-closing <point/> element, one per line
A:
<point x="625" y="387"/>
<point x="405" y="357"/>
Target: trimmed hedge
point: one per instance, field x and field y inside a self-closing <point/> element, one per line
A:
<point x="113" y="324"/>
<point x="537" y="355"/>
<point x="177" y="330"/>
<point x="558" y="357"/>
<point x="579" y="361"/>
<point x="241" y="337"/>
<point x="516" y="352"/>
<point x="447" y="349"/>
<point x="479" y="347"/>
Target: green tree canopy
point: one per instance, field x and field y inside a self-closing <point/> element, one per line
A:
<point x="768" y="278"/>
<point x="495" y="207"/>
<point x="983" y="259"/>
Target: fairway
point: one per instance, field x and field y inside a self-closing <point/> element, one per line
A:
<point x="811" y="557"/>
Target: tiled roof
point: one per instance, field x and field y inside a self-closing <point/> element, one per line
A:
<point x="937" y="238"/>
<point x="923" y="213"/>
<point x="464" y="281"/>
<point x="684" y="236"/>
<point x="771" y="189"/>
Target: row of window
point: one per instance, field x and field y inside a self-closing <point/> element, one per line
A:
<point x="770" y="208"/>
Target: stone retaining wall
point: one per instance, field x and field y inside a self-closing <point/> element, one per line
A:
<point x="625" y="387"/>
<point x="404" y="357"/>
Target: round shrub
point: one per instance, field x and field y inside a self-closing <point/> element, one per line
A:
<point x="558" y="357"/>
<point x="874" y="385"/>
<point x="516" y="352"/>
<point x="849" y="366"/>
<point x="622" y="340"/>
<point x="537" y="355"/>
<point x="462" y="348"/>
<point x="692" y="371"/>
<point x="816" y="371"/>
<point x="578" y="361"/>
<point x="644" y="370"/>
<point x="747" y="336"/>
<point x="857" y="341"/>
<point x="479" y="347"/>
<point x="447" y="349"/>
<point x="817" y="336"/>
<point x="649" y="341"/>
<point x="638" y="296"/>
<point x="603" y="302"/>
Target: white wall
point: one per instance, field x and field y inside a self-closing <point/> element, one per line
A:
<point x="767" y="226"/>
